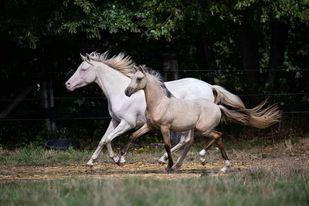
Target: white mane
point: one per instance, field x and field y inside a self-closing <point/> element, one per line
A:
<point x="121" y="62"/>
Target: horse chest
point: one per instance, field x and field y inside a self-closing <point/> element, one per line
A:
<point x="155" y="117"/>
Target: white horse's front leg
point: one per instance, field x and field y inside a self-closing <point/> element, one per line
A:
<point x="111" y="153"/>
<point x="122" y="127"/>
<point x="112" y="125"/>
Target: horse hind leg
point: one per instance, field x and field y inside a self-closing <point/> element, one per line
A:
<point x="144" y="129"/>
<point x="227" y="163"/>
<point x="187" y="145"/>
<point x="215" y="135"/>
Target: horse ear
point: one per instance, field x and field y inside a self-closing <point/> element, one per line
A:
<point x="82" y="56"/>
<point x="88" y="59"/>
<point x="88" y="56"/>
<point x="142" y="68"/>
<point x="136" y="68"/>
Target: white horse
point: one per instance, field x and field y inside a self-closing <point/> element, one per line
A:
<point x="113" y="75"/>
<point x="168" y="113"/>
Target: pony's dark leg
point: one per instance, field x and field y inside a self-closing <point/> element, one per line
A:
<point x="167" y="145"/>
<point x="144" y="129"/>
<point x="224" y="155"/>
<point x="222" y="150"/>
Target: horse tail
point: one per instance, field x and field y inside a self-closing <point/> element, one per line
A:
<point x="227" y="98"/>
<point x="256" y="117"/>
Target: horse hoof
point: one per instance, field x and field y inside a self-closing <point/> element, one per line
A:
<point x="203" y="161"/>
<point x="120" y="164"/>
<point x="162" y="161"/>
<point x="169" y="170"/>
<point x="121" y="161"/>
<point x="89" y="163"/>
<point x="224" y="170"/>
<point x="115" y="159"/>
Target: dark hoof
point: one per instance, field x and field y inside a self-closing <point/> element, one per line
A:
<point x="204" y="163"/>
<point x="169" y="170"/>
<point x="120" y="164"/>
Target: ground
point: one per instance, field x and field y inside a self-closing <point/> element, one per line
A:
<point x="275" y="167"/>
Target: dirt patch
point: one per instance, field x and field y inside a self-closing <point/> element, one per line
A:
<point x="110" y="170"/>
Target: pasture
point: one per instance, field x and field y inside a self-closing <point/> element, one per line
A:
<point x="261" y="174"/>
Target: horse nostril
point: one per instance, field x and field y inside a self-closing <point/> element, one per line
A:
<point x="127" y="92"/>
<point x="67" y="84"/>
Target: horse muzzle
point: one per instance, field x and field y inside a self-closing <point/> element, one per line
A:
<point x="128" y="92"/>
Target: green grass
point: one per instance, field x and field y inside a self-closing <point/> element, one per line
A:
<point x="260" y="187"/>
<point x="37" y="156"/>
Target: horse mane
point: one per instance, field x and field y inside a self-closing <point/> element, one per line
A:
<point x="158" y="77"/>
<point x="121" y="62"/>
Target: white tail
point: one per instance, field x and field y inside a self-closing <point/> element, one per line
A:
<point x="225" y="97"/>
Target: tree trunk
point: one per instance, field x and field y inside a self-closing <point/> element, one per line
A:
<point x="279" y="37"/>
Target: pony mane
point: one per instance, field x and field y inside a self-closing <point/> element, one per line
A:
<point x="154" y="73"/>
<point x="157" y="76"/>
<point x="121" y="62"/>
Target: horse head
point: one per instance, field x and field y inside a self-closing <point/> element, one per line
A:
<point x="84" y="75"/>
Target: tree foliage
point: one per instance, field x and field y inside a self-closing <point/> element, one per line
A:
<point x="248" y="46"/>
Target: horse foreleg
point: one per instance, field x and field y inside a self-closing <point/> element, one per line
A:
<point x="112" y="125"/>
<point x="122" y="127"/>
<point x="164" y="158"/>
<point x="144" y="129"/>
<point x="167" y="145"/>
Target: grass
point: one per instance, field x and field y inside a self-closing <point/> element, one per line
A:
<point x="37" y="156"/>
<point x="259" y="187"/>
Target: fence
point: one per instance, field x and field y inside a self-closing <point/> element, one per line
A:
<point x="92" y="113"/>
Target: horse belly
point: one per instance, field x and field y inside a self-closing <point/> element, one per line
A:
<point x="184" y="122"/>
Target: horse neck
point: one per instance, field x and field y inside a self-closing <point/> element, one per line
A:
<point x="154" y="93"/>
<point x="111" y="81"/>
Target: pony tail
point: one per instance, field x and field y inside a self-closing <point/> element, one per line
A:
<point x="255" y="117"/>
